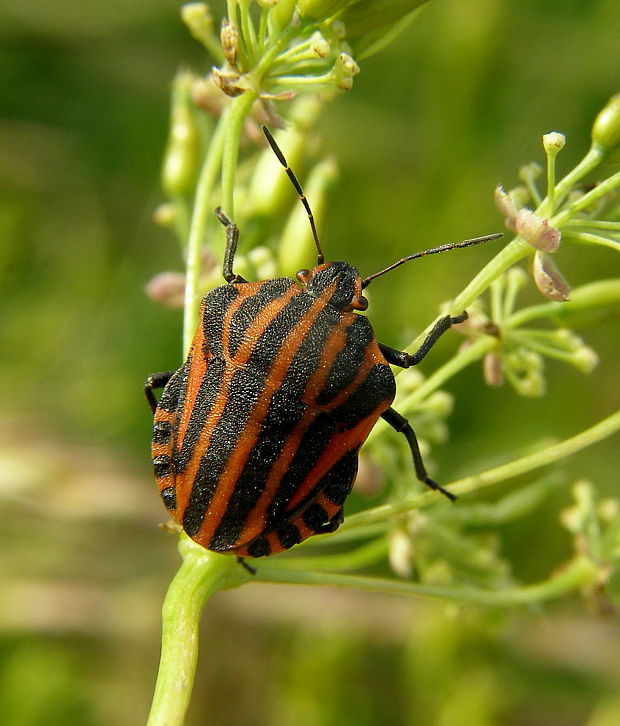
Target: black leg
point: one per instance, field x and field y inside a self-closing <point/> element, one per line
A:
<point x="244" y="564"/>
<point x="232" y="237"/>
<point x="404" y="360"/>
<point x="157" y="380"/>
<point x="403" y="426"/>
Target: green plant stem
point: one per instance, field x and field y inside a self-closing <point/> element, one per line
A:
<point x="600" y="431"/>
<point x="607" y="185"/>
<point x="354" y="559"/>
<point x="238" y="111"/>
<point x="580" y="571"/>
<point x="202" y="210"/>
<point x="201" y="574"/>
<point x="590" y="161"/>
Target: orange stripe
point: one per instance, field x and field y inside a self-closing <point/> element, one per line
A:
<point x="338" y="446"/>
<point x="259" y="324"/>
<point x="255" y="522"/>
<point x="248" y="437"/>
<point x="185" y="480"/>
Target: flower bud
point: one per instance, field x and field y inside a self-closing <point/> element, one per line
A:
<point x="198" y="19"/>
<point x="536" y="231"/>
<point x="180" y="166"/>
<point x="229" y="37"/>
<point x="346" y="65"/>
<point x="165" y="215"/>
<point x="585" y="359"/>
<point x="206" y="95"/>
<point x="282" y="12"/>
<point x="319" y="45"/>
<point x="553" y="142"/>
<point x="606" y="127"/>
<point x="504" y="202"/>
<point x="263" y="261"/>
<point x="549" y="280"/>
<point x="524" y="371"/>
<point x="343" y="71"/>
<point x="167" y="288"/>
<point x="529" y="173"/>
<point x="608" y="510"/>
<point x="401" y="553"/>
<point x="230" y="82"/>
<point x="492" y="369"/>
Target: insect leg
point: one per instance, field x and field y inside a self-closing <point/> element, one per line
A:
<point x="232" y="238"/>
<point x="156" y="380"/>
<point x="404" y="360"/>
<point x="244" y="564"/>
<point x="403" y="426"/>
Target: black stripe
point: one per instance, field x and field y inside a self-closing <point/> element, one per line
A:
<point x="205" y="399"/>
<point x="244" y="392"/>
<point x="259" y="548"/>
<point x="288" y="536"/>
<point x="169" y="496"/>
<point x="359" y="335"/>
<point x="216" y="302"/>
<point x="251" y="307"/>
<point x="267" y="348"/>
<point x="337" y="483"/>
<point x="312" y="445"/>
<point x="162" y="431"/>
<point x="162" y="466"/>
<point x="307" y="358"/>
<point x="314" y="516"/>
<point x="282" y="416"/>
<point x="378" y="387"/>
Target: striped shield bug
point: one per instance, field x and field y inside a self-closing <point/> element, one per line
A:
<point x="256" y="436"/>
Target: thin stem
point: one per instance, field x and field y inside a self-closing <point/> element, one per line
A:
<point x="551" y="157"/>
<point x="198" y="225"/>
<point x="593" y="224"/>
<point x="580" y="571"/>
<point x="549" y="454"/>
<point x="594" y="239"/>
<point x="354" y="559"/>
<point x="249" y="33"/>
<point x="201" y="574"/>
<point x="593" y="195"/>
<point x="591" y="160"/>
<point x="239" y="109"/>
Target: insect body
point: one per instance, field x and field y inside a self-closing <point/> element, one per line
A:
<point x="256" y="436"/>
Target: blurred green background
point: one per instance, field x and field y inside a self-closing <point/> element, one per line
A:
<point x="433" y="123"/>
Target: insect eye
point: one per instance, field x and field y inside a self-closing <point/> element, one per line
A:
<point x="360" y="303"/>
<point x="303" y="275"/>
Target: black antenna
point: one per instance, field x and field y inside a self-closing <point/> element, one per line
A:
<point x="433" y="251"/>
<point x="297" y="185"/>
